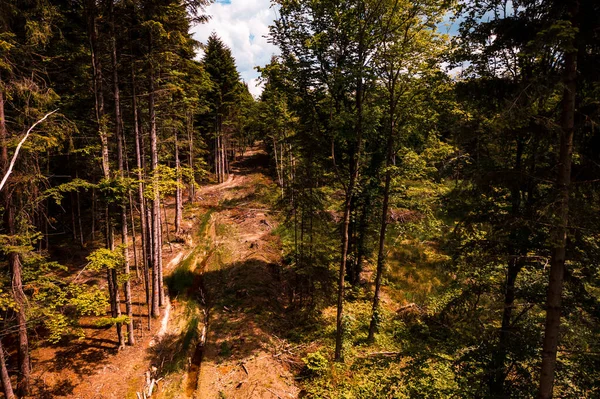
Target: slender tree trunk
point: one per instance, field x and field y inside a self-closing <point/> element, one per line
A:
<point x="4" y="377"/>
<point x="24" y="376"/>
<point x="14" y="263"/>
<point x="120" y="162"/>
<point x="217" y="160"/>
<point x="161" y="291"/>
<point x="142" y="201"/>
<point x="73" y="221"/>
<point x="156" y="232"/>
<point x="499" y="358"/>
<point x="93" y="227"/>
<point x="115" y="305"/>
<point x="178" y="194"/>
<point x="102" y="133"/>
<point x="354" y="174"/>
<point x="497" y="367"/>
<point x="559" y="234"/>
<point x="3" y="131"/>
<point x="382" y="233"/>
<point x="112" y="279"/>
<point x="190" y="134"/>
<point x="342" y="273"/>
<point x="362" y="236"/>
<point x="133" y="238"/>
<point x="81" y="238"/>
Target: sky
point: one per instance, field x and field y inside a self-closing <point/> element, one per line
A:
<point x="243" y="26"/>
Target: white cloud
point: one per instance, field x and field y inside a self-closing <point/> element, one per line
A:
<point x="243" y="25"/>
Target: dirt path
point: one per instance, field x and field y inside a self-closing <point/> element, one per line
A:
<point x="239" y="358"/>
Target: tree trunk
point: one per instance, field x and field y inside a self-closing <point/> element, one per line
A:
<point x="14" y="264"/>
<point x="190" y="134"/>
<point x="161" y="291"/>
<point x="497" y="367"/>
<point x="133" y="237"/>
<point x="354" y="168"/>
<point x="120" y="162"/>
<point x="99" y="105"/>
<point x="382" y="232"/>
<point x="115" y="305"/>
<point x="20" y="299"/>
<point x="6" y="384"/>
<point x="559" y="234"/>
<point x="3" y="131"/>
<point x="81" y="238"/>
<point x="178" y="194"/>
<point x="143" y="215"/>
<point x="362" y="236"/>
<point x="156" y="232"/>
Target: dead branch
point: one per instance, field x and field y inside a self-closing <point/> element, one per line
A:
<point x="16" y="154"/>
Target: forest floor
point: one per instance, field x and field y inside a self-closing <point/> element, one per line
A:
<point x="218" y="335"/>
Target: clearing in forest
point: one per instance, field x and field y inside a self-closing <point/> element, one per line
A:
<point x="219" y="338"/>
<point x="223" y="341"/>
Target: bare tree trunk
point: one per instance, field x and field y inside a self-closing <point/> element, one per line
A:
<point x="156" y="232"/>
<point x="73" y="221"/>
<point x="161" y="291"/>
<point x="498" y="370"/>
<point x="120" y="162"/>
<point x="190" y="134"/>
<point x="3" y="131"/>
<point x="559" y="236"/>
<point x="341" y="276"/>
<point x="279" y="177"/>
<point x="133" y="237"/>
<point x="354" y="174"/>
<point x="223" y="159"/>
<point x="14" y="263"/>
<point x="93" y="228"/>
<point x="382" y="232"/>
<point x="81" y="238"/>
<point x="4" y="377"/>
<point x="99" y="103"/>
<point x="143" y="216"/>
<point x="178" y="194"/>
<point x="217" y="163"/>
<point x="24" y="376"/>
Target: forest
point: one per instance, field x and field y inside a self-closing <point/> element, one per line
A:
<point x="410" y="209"/>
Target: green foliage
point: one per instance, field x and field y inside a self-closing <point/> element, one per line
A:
<point x="104" y="258"/>
<point x="87" y="301"/>
<point x="316" y="363"/>
<point x="57" y="193"/>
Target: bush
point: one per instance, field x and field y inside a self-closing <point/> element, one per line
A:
<point x="316" y="363"/>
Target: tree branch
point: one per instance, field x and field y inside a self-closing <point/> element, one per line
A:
<point x="14" y="158"/>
